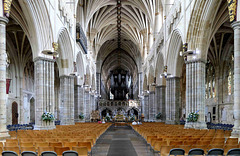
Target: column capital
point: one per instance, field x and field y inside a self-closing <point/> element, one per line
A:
<point x="43" y="59"/>
<point x="174" y="77"/>
<point x="236" y="25"/>
<point x="196" y="61"/>
<point x="67" y="76"/>
<point x="160" y="86"/>
<point x="4" y="20"/>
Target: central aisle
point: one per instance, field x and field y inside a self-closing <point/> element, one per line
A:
<point x="120" y="141"/>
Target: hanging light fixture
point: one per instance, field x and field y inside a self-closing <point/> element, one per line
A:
<point x="53" y="51"/>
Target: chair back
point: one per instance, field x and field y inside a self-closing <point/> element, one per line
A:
<point x="234" y="151"/>
<point x="81" y="150"/>
<point x="29" y="153"/>
<point x="9" y="153"/>
<point x="196" y="151"/>
<point x="49" y="153"/>
<point x="70" y="153"/>
<point x="177" y="151"/>
<point x="216" y="151"/>
<point x="60" y="150"/>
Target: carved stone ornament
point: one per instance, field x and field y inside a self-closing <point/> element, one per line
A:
<point x="7" y="7"/>
<point x="55" y="46"/>
<point x="232" y="7"/>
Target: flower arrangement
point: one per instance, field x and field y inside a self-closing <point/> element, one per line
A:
<point x="132" y="118"/>
<point x="81" y="116"/>
<point x="107" y="118"/>
<point x="193" y="117"/>
<point x="47" y="116"/>
<point x="159" y="115"/>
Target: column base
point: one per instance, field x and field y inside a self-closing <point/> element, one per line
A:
<point x="235" y="133"/>
<point x="195" y="125"/>
<point x="4" y="135"/>
<point x="171" y="122"/>
<point x="36" y="127"/>
<point x="160" y="120"/>
<point x="68" y="122"/>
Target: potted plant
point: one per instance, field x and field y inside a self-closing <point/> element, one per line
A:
<point x="81" y="116"/>
<point x="192" y="117"/>
<point x="47" y="116"/>
<point x="159" y="116"/>
<point x="107" y="118"/>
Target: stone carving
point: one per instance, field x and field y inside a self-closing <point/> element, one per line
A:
<point x="232" y="6"/>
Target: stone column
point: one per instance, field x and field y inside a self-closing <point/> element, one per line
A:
<point x="87" y="103"/>
<point x="44" y="91"/>
<point x="146" y="106"/>
<point x="195" y="92"/>
<point x="3" y="130"/>
<point x="140" y="77"/>
<point x="81" y="102"/>
<point x="67" y="100"/>
<point x="77" y="100"/>
<point x="152" y="106"/>
<point x="160" y="101"/>
<point x="172" y="100"/>
<point x="236" y="106"/>
<point x="98" y="82"/>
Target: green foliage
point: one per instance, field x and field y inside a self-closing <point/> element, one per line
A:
<point x="47" y="116"/>
<point x="192" y="117"/>
<point x="159" y="116"/>
<point x="81" y="116"/>
<point x="107" y="118"/>
<point x="132" y="118"/>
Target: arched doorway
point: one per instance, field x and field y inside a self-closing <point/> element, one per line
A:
<point x="133" y="112"/>
<point x="14" y="113"/>
<point x="105" y="111"/>
<point x="32" y="110"/>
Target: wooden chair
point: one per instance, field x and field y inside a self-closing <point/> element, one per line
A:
<point x="174" y="143"/>
<point x="185" y="147"/>
<point x="60" y="150"/>
<point x="165" y="150"/>
<point x="158" y="144"/>
<point x="14" y="149"/>
<point x="1" y="150"/>
<point x="11" y="144"/>
<point x="232" y="141"/>
<point x="85" y="144"/>
<point x="228" y="147"/>
<point x="82" y="151"/>
<point x="41" y="144"/>
<point x="54" y="144"/>
<point x="12" y="140"/>
<point x="42" y="149"/>
<point x="28" y="149"/>
<point x="26" y="144"/>
<point x="70" y="144"/>
<point x="1" y="144"/>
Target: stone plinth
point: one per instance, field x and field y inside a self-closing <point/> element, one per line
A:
<point x="172" y="100"/>
<point x="66" y="100"/>
<point x="195" y="125"/>
<point x="44" y="91"/>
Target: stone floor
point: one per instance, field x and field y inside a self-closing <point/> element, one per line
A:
<point x="121" y="141"/>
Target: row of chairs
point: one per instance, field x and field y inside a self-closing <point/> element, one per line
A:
<point x="46" y="153"/>
<point x="227" y="127"/>
<point x="199" y="151"/>
<point x="64" y="137"/>
<point x="162" y="137"/>
<point x="58" y="150"/>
